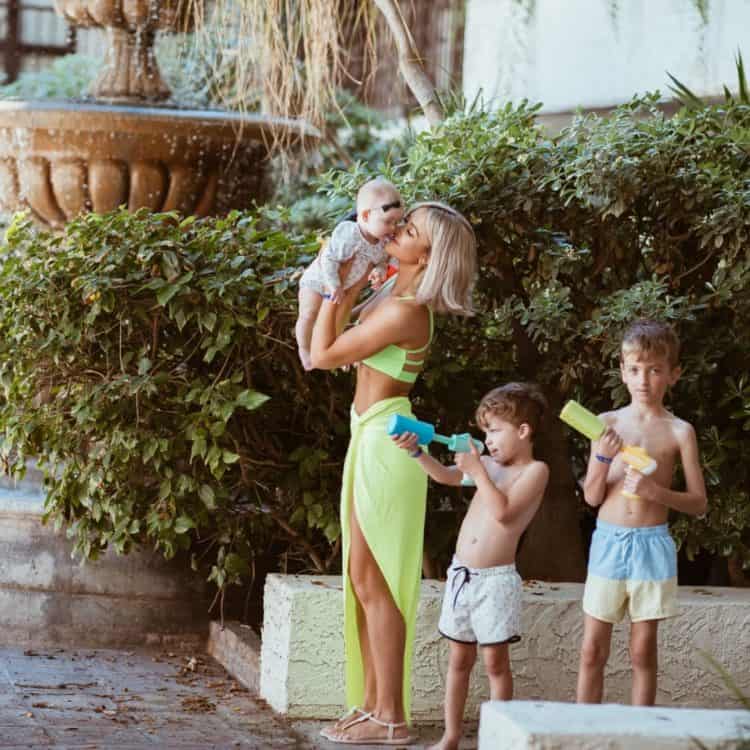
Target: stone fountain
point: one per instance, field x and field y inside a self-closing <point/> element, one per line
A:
<point x="128" y="147"/>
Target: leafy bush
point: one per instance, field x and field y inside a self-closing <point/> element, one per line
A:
<point x="138" y="352"/>
<point x="616" y="218"/>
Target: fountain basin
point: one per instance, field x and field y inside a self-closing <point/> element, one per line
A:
<point x="60" y="159"/>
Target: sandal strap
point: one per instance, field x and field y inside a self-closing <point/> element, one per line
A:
<point x="364" y="716"/>
<point x="392" y="726"/>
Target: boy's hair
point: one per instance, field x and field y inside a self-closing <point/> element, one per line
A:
<point x="517" y="403"/>
<point x="646" y="336"/>
<point x="447" y="284"/>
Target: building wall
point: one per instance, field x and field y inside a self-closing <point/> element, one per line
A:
<point x="599" y="53"/>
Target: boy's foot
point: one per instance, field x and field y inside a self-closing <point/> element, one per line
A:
<point x="369" y="730"/>
<point x="445" y="744"/>
<point x="305" y="358"/>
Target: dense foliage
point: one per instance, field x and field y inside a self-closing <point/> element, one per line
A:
<point x="153" y="363"/>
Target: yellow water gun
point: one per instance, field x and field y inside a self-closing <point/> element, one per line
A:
<point x="588" y="424"/>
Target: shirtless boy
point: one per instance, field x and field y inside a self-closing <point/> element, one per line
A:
<point x="482" y="601"/>
<point x="633" y="559"/>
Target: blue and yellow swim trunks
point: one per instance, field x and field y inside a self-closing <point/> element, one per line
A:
<point x="633" y="570"/>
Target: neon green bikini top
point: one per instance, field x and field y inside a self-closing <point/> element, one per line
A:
<point x="392" y="360"/>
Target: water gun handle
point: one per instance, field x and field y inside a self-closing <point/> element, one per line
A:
<point x="637" y="458"/>
<point x="425" y="432"/>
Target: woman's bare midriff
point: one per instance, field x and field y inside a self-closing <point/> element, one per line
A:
<point x="374" y="386"/>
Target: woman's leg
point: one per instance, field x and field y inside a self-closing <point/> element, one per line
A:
<point x="387" y="635"/>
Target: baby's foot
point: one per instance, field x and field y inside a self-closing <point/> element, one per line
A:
<point x="305" y="358"/>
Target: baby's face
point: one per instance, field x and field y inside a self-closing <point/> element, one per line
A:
<point x="380" y="223"/>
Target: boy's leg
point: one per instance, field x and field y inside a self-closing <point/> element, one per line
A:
<point x="643" y="656"/>
<point x="461" y="658"/>
<point x="597" y="635"/>
<point x="309" y="305"/>
<point x="497" y="665"/>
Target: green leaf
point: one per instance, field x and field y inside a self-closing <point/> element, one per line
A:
<point x="207" y="496"/>
<point x="183" y="524"/>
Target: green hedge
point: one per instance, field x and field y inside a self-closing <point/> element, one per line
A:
<point x="153" y="361"/>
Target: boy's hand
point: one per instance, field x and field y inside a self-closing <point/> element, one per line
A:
<point x="336" y="295"/>
<point x="406" y="440"/>
<point x="376" y="279"/>
<point x="638" y="484"/>
<point x="609" y="444"/>
<point x="470" y="463"/>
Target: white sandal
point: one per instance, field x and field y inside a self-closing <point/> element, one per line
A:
<point x="388" y="740"/>
<point x="354" y="711"/>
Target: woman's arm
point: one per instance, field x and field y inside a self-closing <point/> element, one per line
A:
<point x="384" y="325"/>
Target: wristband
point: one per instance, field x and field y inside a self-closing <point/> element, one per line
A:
<point x="603" y="459"/>
<point x="326" y="296"/>
<point x="417" y="453"/>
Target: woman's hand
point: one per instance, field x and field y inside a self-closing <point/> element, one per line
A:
<point x="609" y="444"/>
<point x="470" y="463"/>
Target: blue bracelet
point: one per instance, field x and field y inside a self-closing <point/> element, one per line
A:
<point x="603" y="459"/>
<point x="326" y="296"/>
<point x="417" y="453"/>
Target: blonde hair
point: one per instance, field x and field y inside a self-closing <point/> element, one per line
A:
<point x="517" y="403"/>
<point x="646" y="336"/>
<point x="448" y="281"/>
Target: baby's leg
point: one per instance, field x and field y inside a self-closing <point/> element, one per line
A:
<point x="643" y="657"/>
<point x="309" y="305"/>
<point x="497" y="666"/>
<point x="461" y="658"/>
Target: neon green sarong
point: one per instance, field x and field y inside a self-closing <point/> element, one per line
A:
<point x="390" y="494"/>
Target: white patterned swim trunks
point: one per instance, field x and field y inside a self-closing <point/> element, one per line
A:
<point x="481" y="605"/>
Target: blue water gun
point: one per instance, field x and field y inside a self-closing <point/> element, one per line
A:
<point x="425" y="432"/>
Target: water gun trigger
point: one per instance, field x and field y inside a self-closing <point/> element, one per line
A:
<point x="637" y="458"/>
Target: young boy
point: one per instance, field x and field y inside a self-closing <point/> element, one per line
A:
<point x="633" y="560"/>
<point x="358" y="243"/>
<point x="482" y="601"/>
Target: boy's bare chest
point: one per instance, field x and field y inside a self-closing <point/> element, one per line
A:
<point x="658" y="439"/>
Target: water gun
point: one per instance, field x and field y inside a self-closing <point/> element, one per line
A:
<point x="425" y="432"/>
<point x="588" y="424"/>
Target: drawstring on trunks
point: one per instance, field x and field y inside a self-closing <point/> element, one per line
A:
<point x="457" y="571"/>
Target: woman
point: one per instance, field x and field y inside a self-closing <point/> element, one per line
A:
<point x="384" y="492"/>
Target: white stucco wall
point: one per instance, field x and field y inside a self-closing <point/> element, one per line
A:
<point x="522" y="725"/>
<point x="582" y="53"/>
<point x="302" y="649"/>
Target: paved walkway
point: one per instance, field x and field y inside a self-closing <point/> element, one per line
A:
<point x="136" y="700"/>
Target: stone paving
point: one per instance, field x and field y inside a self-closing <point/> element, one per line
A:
<point x="138" y="699"/>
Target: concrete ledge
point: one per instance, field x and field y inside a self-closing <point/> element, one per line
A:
<point x="524" y="725"/>
<point x="237" y="648"/>
<point x="302" y="648"/>
<point x="48" y="598"/>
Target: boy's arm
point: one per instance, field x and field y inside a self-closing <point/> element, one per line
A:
<point x="432" y="467"/>
<point x="595" y="483"/>
<point x="526" y="490"/>
<point x="451" y="475"/>
<point x="693" y="500"/>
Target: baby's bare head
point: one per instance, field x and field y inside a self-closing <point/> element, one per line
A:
<point x="379" y="207"/>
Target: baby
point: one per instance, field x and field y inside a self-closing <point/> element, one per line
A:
<point x="358" y="244"/>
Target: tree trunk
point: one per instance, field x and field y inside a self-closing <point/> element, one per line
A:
<point x="410" y="63"/>
<point x="552" y="549"/>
